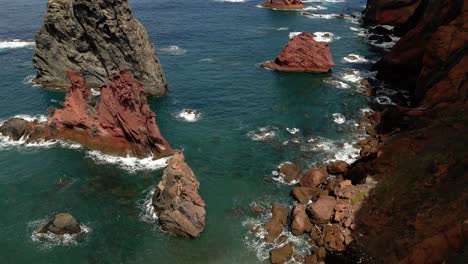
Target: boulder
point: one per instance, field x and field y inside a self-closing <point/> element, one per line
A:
<point x="15" y="128"/>
<point x="358" y="173"/>
<point x="338" y="167"/>
<point x="61" y="224"/>
<point x="283" y="4"/>
<point x="334" y="238"/>
<point x="180" y="209"/>
<point x="289" y="172"/>
<point x="300" y="221"/>
<point x="305" y="194"/>
<point x="274" y="227"/>
<point x="313" y="178"/>
<point x="322" y="210"/>
<point x="96" y="38"/>
<point x="283" y="254"/>
<point x="303" y="54"/>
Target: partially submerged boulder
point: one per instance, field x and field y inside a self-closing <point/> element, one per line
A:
<point x="289" y="172"/>
<point x="283" y="254"/>
<point x="96" y="38"/>
<point x="303" y="54"/>
<point x="283" y="4"/>
<point x="61" y="224"/>
<point x="180" y="209"/>
<point x="279" y="218"/>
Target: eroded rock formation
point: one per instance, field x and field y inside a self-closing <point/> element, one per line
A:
<point x="95" y="38"/>
<point x="61" y="224"/>
<point x="303" y="54"/>
<point x="176" y="201"/>
<point x="283" y="4"/>
<point x="119" y="122"/>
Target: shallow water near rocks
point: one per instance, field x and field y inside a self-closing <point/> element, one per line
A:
<point x="216" y="74"/>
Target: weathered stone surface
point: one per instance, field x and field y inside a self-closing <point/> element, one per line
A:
<point x="289" y="172"/>
<point x="283" y="4"/>
<point x="283" y="254"/>
<point x="338" y="167"/>
<point x="95" y="38"/>
<point x="305" y="194"/>
<point x="322" y="209"/>
<point x="279" y="218"/>
<point x="176" y="201"/>
<point x="303" y="54"/>
<point x="312" y="178"/>
<point x="15" y="128"/>
<point x="300" y="221"/>
<point x="61" y="224"/>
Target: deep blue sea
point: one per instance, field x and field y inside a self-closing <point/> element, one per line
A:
<point x="210" y="51"/>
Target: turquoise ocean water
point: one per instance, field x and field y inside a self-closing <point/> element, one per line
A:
<point x="214" y="69"/>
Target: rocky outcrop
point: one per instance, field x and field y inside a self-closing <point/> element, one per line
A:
<point x="180" y="209"/>
<point x="303" y="54"/>
<point x="300" y="223"/>
<point x="61" y="224"/>
<point x="95" y="38"/>
<point x="283" y="4"/>
<point x="289" y="172"/>
<point x="119" y="122"/>
<point x="282" y="254"/>
<point x="279" y="218"/>
<point x="391" y="12"/>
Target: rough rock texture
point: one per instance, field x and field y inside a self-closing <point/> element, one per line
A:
<point x="338" y="167"/>
<point x="95" y="38"/>
<point x="176" y="201"/>
<point x="312" y="178"/>
<point x="283" y="254"/>
<point x="119" y="123"/>
<point x="305" y="194"/>
<point x="322" y="210"/>
<point x="274" y="226"/>
<point x="391" y="12"/>
<point x="300" y="221"/>
<point x="61" y="224"/>
<point x="283" y="4"/>
<point x="289" y="172"/>
<point x="303" y="54"/>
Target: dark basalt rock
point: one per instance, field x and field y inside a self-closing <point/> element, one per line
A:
<point x="95" y="38"/>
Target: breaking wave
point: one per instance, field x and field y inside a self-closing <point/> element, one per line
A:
<point x="173" y="50"/>
<point x="16" y="44"/>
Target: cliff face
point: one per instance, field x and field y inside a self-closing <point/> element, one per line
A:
<point x="417" y="212"/>
<point x="95" y="38"/>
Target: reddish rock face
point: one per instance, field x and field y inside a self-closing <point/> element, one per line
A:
<point x="390" y="12"/>
<point x="300" y="221"/>
<point x="322" y="209"/>
<point x="312" y="178"/>
<point x="283" y="4"/>
<point x="120" y="122"/>
<point x="274" y="226"/>
<point x="303" y="54"/>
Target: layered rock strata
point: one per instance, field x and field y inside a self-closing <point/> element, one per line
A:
<point x="95" y="38"/>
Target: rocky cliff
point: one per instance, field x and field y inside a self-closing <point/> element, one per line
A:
<point x="95" y="38"/>
<point x="119" y="122"/>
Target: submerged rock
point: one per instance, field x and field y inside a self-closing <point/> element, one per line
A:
<point x="61" y="224"/>
<point x="95" y="38"/>
<point x="119" y="123"/>
<point x="176" y="201"/>
<point x="283" y="254"/>
<point x="283" y="4"/>
<point x="303" y="54"/>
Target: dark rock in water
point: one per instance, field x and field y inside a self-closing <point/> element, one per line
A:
<point x="283" y="254"/>
<point x="176" y="201"/>
<point x="379" y="30"/>
<point x="283" y="4"/>
<point x="15" y="128"/>
<point x="96" y="38"/>
<point x="62" y="224"/>
<point x="274" y="226"/>
<point x="303" y="54"/>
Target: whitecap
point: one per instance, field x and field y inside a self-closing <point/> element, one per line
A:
<point x="147" y="213"/>
<point x="352" y="76"/>
<point x="189" y="115"/>
<point x="131" y="164"/>
<point x="315" y="8"/>
<point x="324" y="36"/>
<point x="262" y="134"/>
<point x="35" y="118"/>
<point x="16" y="44"/>
<point x="338" y="118"/>
<point x="337" y="84"/>
<point x="354" y="58"/>
<point x="206" y="60"/>
<point x="173" y="50"/>
<point x="293" y="130"/>
<point x="28" y="79"/>
<point x="279" y="177"/>
<point x="293" y="34"/>
<point x="281" y="28"/>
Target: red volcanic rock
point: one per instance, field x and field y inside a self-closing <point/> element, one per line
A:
<point x="120" y="122"/>
<point x="303" y="54"/>
<point x="283" y="4"/>
<point x="390" y="12"/>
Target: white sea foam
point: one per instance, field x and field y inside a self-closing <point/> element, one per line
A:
<point x="338" y="118"/>
<point x="28" y="79"/>
<point x="385" y="45"/>
<point x="50" y="240"/>
<point x="35" y="118"/>
<point x="293" y="34"/>
<point x="173" y="50"/>
<point x="384" y="100"/>
<point x="331" y="150"/>
<point x="16" y="44"/>
<point x="352" y="76"/>
<point x="206" y="60"/>
<point x="189" y="115"/>
<point x="279" y="177"/>
<point x="324" y="36"/>
<point x="315" y="8"/>
<point x="293" y="130"/>
<point x="262" y="134"/>
<point x="281" y="28"/>
<point x="337" y="84"/>
<point x="354" y="58"/>
<point x="131" y="164"/>
<point x="147" y="214"/>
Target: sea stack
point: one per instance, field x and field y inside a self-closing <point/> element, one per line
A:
<point x="119" y="122"/>
<point x="180" y="209"/>
<point x="303" y="54"/>
<point x="283" y="4"/>
<point x="95" y="38"/>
